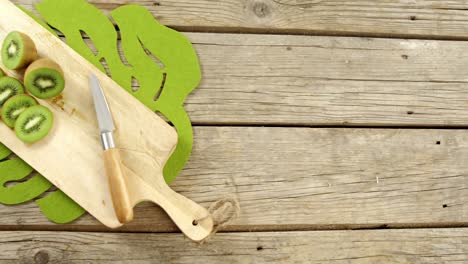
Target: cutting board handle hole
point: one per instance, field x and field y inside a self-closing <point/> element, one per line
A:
<point x="195" y="223"/>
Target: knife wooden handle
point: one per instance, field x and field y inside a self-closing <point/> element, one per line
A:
<point x="118" y="186"/>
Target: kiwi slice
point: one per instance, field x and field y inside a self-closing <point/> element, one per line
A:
<point x="34" y="124"/>
<point x="13" y="108"/>
<point x="18" y="50"/>
<point x="9" y="87"/>
<point x="44" y="79"/>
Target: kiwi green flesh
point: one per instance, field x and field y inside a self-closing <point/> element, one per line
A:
<point x="9" y="87"/>
<point x="12" y="50"/>
<point x="13" y="108"/>
<point x="34" y="124"/>
<point x="44" y="83"/>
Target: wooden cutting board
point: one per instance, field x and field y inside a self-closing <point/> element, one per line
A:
<point x="71" y="156"/>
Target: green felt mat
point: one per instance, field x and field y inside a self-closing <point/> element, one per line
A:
<point x="159" y="67"/>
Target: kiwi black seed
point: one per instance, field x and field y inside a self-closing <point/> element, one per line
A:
<point x="9" y="87"/>
<point x="34" y="124"/>
<point x="44" y="79"/>
<point x="18" y="51"/>
<point x="13" y="108"/>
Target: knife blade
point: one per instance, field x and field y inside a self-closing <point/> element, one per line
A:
<point x="112" y="159"/>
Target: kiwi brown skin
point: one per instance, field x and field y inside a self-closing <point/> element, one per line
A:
<point x="29" y="52"/>
<point x="43" y="63"/>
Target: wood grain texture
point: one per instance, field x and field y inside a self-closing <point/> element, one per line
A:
<point x="308" y="81"/>
<point x="340" y="247"/>
<point x="415" y="18"/>
<point x="304" y="178"/>
<point x="118" y="185"/>
<point x="299" y="80"/>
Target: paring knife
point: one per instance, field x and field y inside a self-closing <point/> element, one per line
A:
<point x="112" y="159"/>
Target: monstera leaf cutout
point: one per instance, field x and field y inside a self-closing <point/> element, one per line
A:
<point x="159" y="67"/>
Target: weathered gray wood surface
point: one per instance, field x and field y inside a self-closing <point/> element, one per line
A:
<point x="411" y="18"/>
<point x="301" y="80"/>
<point x="309" y="81"/>
<point x="350" y="247"/>
<point x="288" y="178"/>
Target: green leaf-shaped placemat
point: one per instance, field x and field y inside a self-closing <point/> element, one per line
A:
<point x="160" y="62"/>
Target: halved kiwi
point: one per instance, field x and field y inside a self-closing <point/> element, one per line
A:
<point x="34" y="124"/>
<point x="13" y="108"/>
<point x="9" y="87"/>
<point x="44" y="79"/>
<point x="18" y="51"/>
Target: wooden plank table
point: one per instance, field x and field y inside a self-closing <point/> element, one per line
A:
<point x="343" y="135"/>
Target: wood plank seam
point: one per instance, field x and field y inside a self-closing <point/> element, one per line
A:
<point x="340" y="178"/>
<point x="352" y="247"/>
<point x="416" y="20"/>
